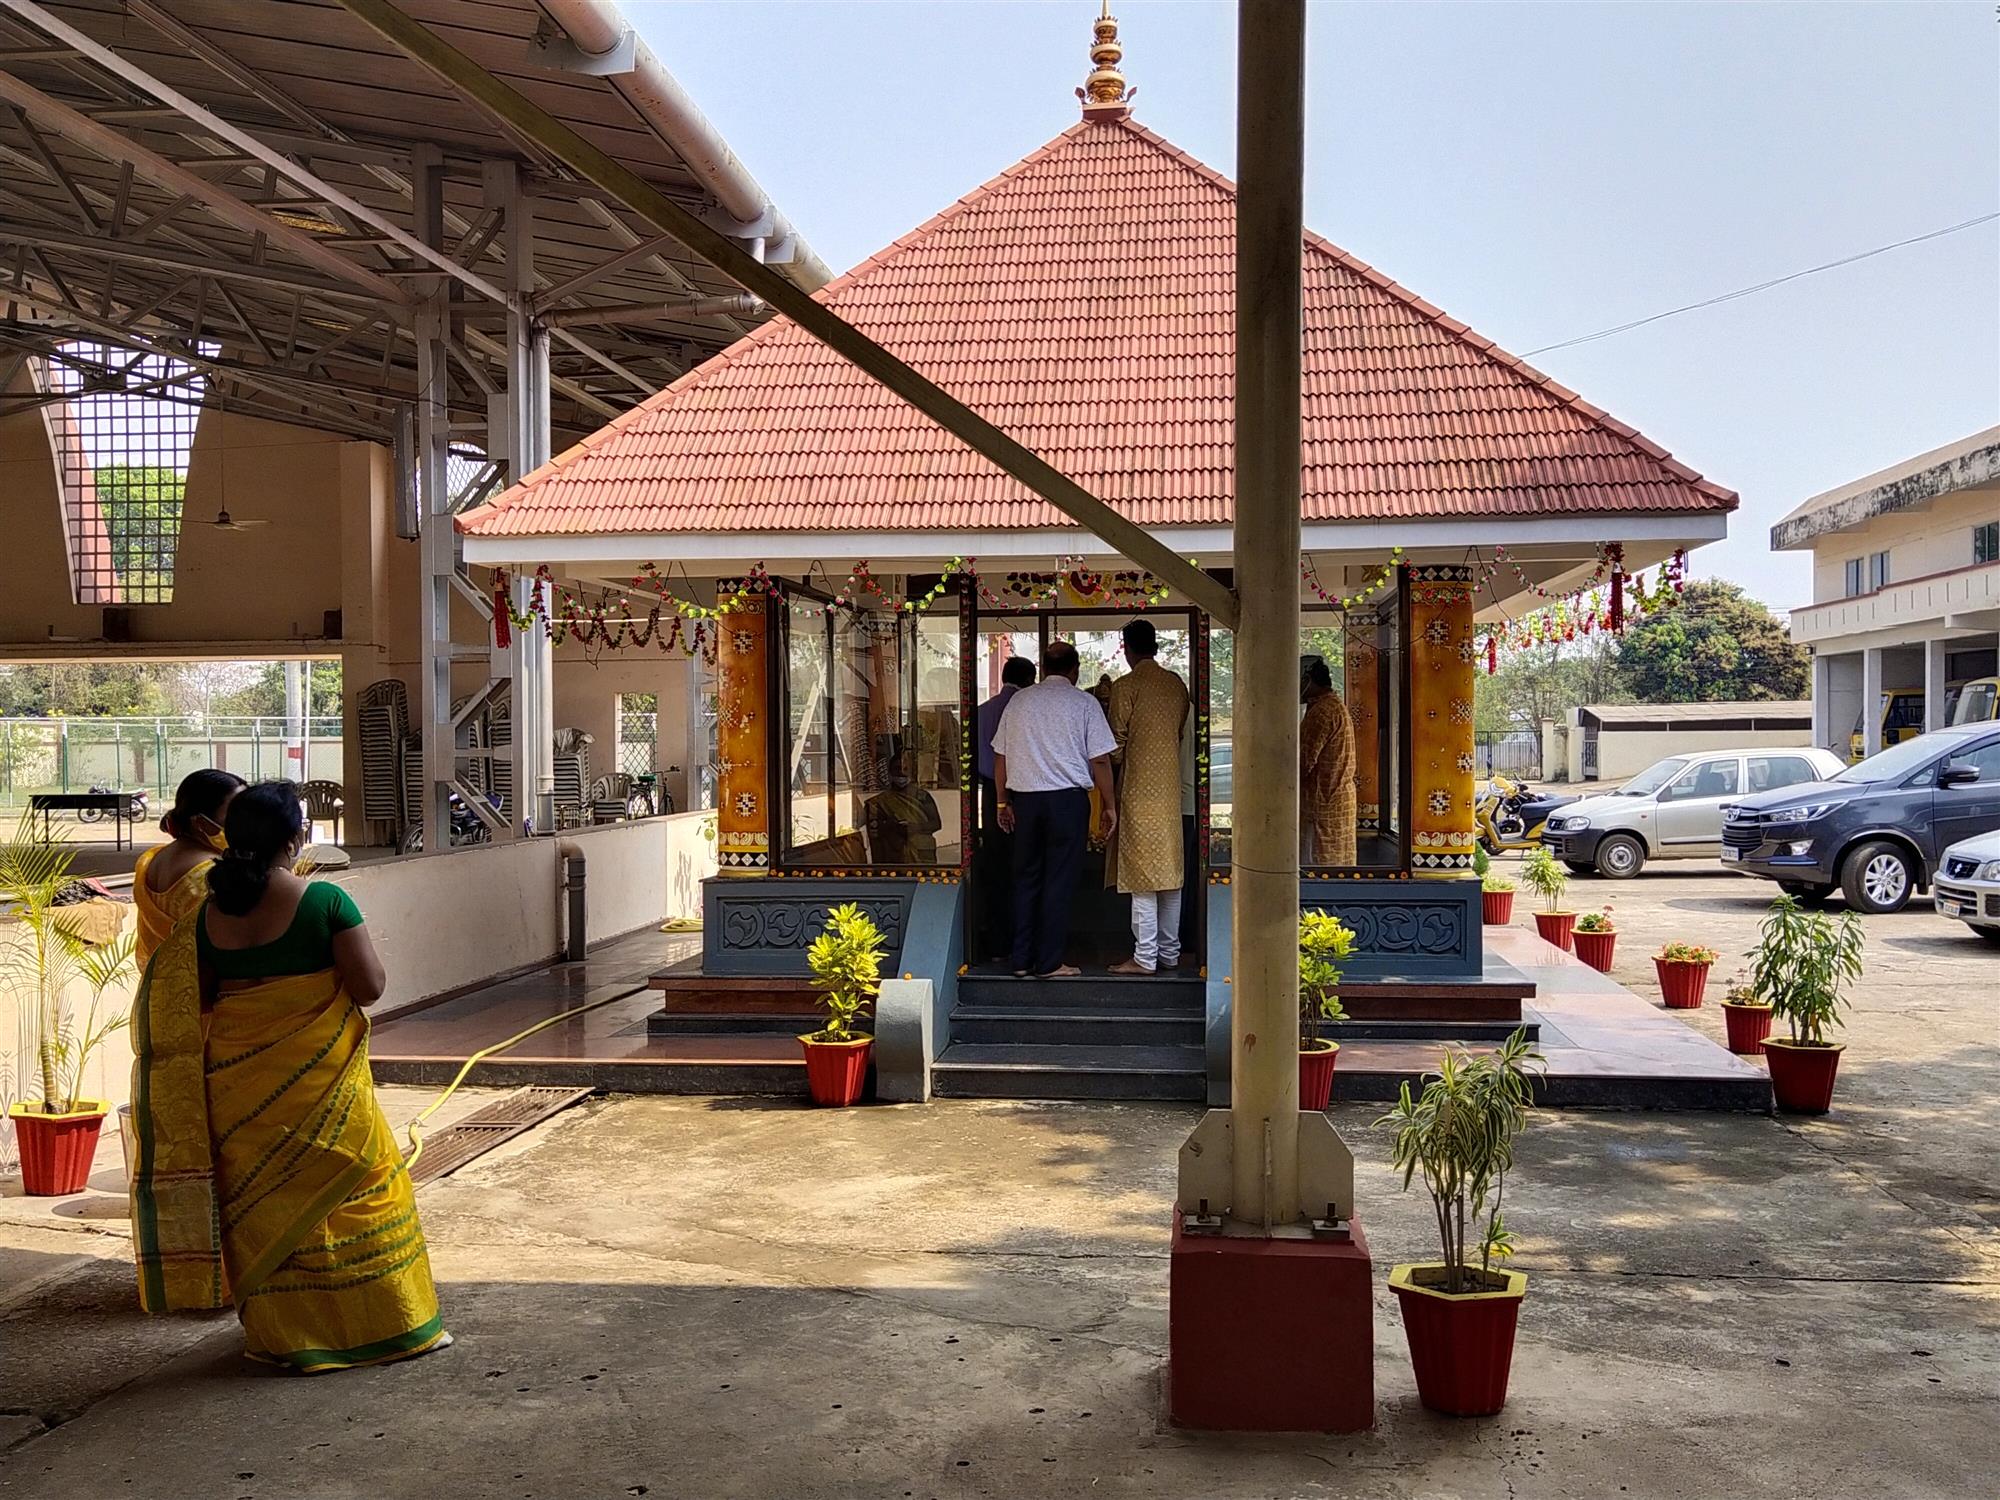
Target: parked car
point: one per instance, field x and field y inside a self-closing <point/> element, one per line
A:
<point x="1876" y="829"/>
<point x="1968" y="885"/>
<point x="1673" y="808"/>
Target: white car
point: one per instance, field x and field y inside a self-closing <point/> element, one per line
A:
<point x="1673" y="808"/>
<point x="1967" y="884"/>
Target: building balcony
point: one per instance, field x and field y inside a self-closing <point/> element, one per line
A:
<point x="1962" y="600"/>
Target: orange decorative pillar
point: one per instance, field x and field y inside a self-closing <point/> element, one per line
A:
<point x="1361" y="686"/>
<point x="743" y="692"/>
<point x="1444" y="648"/>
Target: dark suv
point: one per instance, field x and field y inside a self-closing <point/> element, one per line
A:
<point x="1876" y="829"/>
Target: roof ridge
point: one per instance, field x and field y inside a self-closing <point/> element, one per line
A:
<point x="719" y="361"/>
<point x="1457" y="328"/>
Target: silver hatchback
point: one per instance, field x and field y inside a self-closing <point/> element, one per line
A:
<point x="1673" y="808"/>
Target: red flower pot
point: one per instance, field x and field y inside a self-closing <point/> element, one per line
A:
<point x="1802" y="1074"/>
<point x="835" y="1071"/>
<point x="1316" y="1075"/>
<point x="1681" y="984"/>
<point x="1558" y="927"/>
<point x="1594" y="948"/>
<point x="1496" y="908"/>
<point x="1747" y="1026"/>
<point x="1461" y="1347"/>
<point x="56" y="1150"/>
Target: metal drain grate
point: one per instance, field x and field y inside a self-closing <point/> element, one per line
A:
<point x="483" y="1129"/>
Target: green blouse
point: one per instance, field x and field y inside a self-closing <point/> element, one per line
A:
<point x="305" y="948"/>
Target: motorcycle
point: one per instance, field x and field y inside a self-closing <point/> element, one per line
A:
<point x="1509" y="815"/>
<point x="135" y="807"/>
<point x="467" y="827"/>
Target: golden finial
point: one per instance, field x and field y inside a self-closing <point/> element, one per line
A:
<point x="1104" y="94"/>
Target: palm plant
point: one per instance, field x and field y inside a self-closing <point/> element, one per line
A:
<point x="1459" y="1132"/>
<point x="1804" y="963"/>
<point x="1324" y="940"/>
<point x="1546" y="877"/>
<point x="846" y="959"/>
<point x="41" y="958"/>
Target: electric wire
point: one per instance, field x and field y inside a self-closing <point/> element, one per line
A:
<point x="1762" y="286"/>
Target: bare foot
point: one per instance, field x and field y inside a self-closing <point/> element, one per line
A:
<point x="1130" y="966"/>
<point x="1061" y="971"/>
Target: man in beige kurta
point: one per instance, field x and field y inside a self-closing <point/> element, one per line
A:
<point x="1326" y="770"/>
<point x="1149" y="714"/>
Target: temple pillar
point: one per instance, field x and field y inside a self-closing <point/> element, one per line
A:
<point x="1361" y="686"/>
<point x="1444" y="649"/>
<point x="743" y="693"/>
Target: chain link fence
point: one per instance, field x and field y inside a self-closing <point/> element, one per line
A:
<point x="134" y="754"/>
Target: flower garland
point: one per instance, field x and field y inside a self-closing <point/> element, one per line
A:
<point x="1384" y="575"/>
<point x="1588" y="612"/>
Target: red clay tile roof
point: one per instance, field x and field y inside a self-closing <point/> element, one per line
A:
<point x="1083" y="300"/>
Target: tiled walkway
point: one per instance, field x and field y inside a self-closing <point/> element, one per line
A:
<point x="1605" y="1045"/>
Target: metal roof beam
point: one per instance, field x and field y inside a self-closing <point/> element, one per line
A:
<point x="175" y="178"/>
<point x="222" y="267"/>
<point x="724" y="253"/>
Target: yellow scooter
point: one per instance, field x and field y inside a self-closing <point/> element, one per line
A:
<point x="1508" y="815"/>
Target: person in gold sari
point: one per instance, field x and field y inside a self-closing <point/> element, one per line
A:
<point x="171" y="880"/>
<point x="1326" y="770"/>
<point x="264" y="1174"/>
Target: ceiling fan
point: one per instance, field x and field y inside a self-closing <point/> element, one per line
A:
<point x="225" y="522"/>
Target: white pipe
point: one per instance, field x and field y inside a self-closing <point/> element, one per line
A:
<point x="597" y="27"/>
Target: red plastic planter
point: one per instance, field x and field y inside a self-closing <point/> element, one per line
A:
<point x="1802" y="1075"/>
<point x="1594" y="948"/>
<point x="836" y="1071"/>
<point x="1316" y="1077"/>
<point x="1557" y="927"/>
<point x="1681" y="984"/>
<point x="56" y="1150"/>
<point x="1461" y="1347"/>
<point x="1747" y="1026"/>
<point x="1496" y="908"/>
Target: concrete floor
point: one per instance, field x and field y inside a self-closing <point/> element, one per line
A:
<point x="739" y="1298"/>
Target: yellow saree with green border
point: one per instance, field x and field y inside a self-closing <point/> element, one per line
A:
<point x="264" y="1172"/>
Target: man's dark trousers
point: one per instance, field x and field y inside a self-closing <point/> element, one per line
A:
<point x="1050" y="831"/>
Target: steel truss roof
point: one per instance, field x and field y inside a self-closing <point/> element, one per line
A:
<point x="230" y="184"/>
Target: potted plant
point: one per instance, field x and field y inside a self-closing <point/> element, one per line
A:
<point x="1459" y="1314"/>
<point x="1746" y="1019"/>
<point x="42" y="959"/>
<point x="1324" y="940"/>
<point x="1496" y="891"/>
<point x="1547" y="878"/>
<point x="1683" y="972"/>
<point x="1595" y="937"/>
<point x="846" y="959"/>
<point x="1805" y="961"/>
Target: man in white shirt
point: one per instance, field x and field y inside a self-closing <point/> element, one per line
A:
<point x="1053" y="745"/>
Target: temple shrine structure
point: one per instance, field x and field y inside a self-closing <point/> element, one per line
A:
<point x="857" y="578"/>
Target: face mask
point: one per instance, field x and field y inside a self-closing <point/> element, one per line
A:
<point x="211" y="835"/>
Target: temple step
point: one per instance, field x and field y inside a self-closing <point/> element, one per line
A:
<point x="1094" y="992"/>
<point x="1019" y="1026"/>
<point x="979" y="1070"/>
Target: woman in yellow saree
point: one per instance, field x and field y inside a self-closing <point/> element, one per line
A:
<point x="265" y="1174"/>
<point x="171" y="880"/>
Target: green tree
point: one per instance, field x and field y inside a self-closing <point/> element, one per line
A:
<point x="142" y="510"/>
<point x="265" y="697"/>
<point x="83" y="690"/>
<point x="1545" y="682"/>
<point x="1715" y="645"/>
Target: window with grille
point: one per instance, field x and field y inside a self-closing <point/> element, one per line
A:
<point x="638" y="733"/>
<point x="120" y="437"/>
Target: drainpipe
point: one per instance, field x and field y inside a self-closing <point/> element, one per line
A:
<point x="605" y="44"/>
<point x="577" y="943"/>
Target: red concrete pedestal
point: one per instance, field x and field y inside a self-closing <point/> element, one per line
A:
<point x="1270" y="1335"/>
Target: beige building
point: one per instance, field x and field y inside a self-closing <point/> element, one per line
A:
<point x="1616" y="741"/>
<point x="1906" y="590"/>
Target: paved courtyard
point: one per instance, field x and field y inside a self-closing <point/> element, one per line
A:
<point x="700" y="1298"/>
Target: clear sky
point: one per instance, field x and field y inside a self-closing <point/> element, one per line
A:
<point x="1540" y="171"/>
